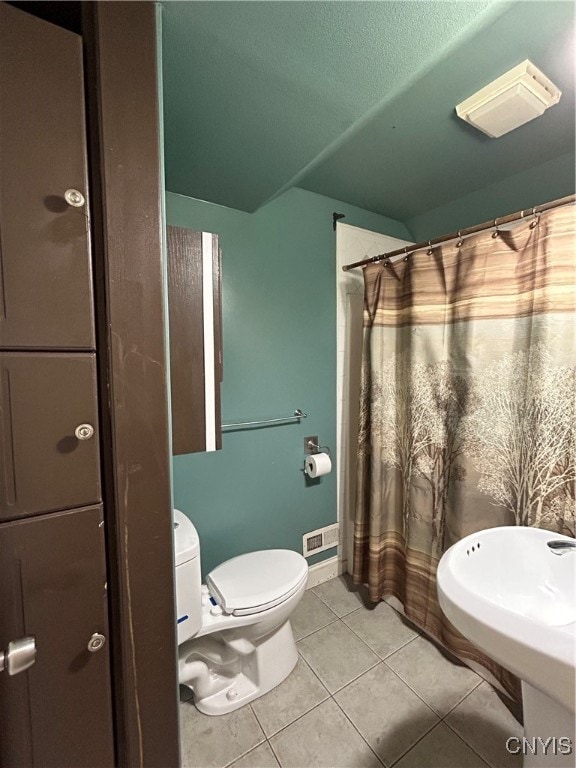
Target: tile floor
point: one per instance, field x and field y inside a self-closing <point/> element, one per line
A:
<point x="368" y="690"/>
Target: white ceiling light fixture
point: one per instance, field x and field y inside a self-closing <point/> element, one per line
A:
<point x="511" y="100"/>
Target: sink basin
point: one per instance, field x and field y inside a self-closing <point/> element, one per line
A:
<point x="512" y="596"/>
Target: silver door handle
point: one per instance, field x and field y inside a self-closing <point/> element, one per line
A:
<point x="18" y="656"/>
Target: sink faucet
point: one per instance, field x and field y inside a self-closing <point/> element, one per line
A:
<point x="561" y="546"/>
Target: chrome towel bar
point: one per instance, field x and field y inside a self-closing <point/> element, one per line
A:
<point x="298" y="414"/>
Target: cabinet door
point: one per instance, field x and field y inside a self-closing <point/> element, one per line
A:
<point x="57" y="713"/>
<point x="45" y="265"/>
<point x="194" y="301"/>
<point x="44" y="466"/>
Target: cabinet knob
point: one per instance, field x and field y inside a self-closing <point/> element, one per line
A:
<point x="74" y="198"/>
<point x="96" y="642"/>
<point x="84" y="431"/>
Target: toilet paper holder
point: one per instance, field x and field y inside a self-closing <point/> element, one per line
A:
<point x="311" y="446"/>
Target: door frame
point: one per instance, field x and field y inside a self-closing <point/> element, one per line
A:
<point x="127" y="226"/>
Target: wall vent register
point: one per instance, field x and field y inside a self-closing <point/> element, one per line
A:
<point x="320" y="539"/>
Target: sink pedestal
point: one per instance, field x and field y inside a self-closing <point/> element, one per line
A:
<point x="546" y="719"/>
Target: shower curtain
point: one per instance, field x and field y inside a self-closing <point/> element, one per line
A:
<point x="467" y="413"/>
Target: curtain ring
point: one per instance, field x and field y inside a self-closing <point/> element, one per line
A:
<point x="497" y="231"/>
<point x="430" y="250"/>
<point x="406" y="254"/>
<point x="460" y="242"/>
<point x="536" y="218"/>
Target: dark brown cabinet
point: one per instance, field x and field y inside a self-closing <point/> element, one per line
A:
<point x="58" y="711"/>
<point x="53" y="588"/>
<point x="45" y="264"/>
<point x="45" y="398"/>
<point x="195" y="315"/>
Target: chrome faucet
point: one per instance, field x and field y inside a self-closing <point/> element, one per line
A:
<point x="561" y="546"/>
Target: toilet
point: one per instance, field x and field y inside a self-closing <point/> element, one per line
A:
<point x="235" y="641"/>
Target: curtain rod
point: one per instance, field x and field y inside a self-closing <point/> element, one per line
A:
<point x="463" y="232"/>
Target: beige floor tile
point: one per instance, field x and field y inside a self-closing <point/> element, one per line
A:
<point x="310" y="615"/>
<point x="323" y="738"/>
<point x="261" y="757"/>
<point x="341" y="595"/>
<point x="299" y="693"/>
<point x="213" y="742"/>
<point x="439" y="681"/>
<point x="485" y="723"/>
<point x="386" y="712"/>
<point x="441" y="748"/>
<point x="336" y="655"/>
<point x="382" y="628"/>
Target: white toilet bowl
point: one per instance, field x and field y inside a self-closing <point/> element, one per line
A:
<point x="235" y="641"/>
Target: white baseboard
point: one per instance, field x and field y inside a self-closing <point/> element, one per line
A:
<point x="323" y="571"/>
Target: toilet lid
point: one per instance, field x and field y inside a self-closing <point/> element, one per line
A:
<point x="256" y="581"/>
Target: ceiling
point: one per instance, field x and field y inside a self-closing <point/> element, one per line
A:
<point x="354" y="100"/>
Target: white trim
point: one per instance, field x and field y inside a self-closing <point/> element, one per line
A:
<point x="209" y="347"/>
<point x="323" y="571"/>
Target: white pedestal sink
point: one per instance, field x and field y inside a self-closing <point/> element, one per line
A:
<point x="513" y="596"/>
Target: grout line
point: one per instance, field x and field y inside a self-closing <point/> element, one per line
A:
<point x="462" y="699"/>
<point x="338" y="690"/>
<point x="462" y="739"/>
<point x="273" y="752"/>
<point x="318" y="630"/>
<point x="299" y="717"/>
<point x="358" y="732"/>
<point x="330" y="693"/>
<point x="257" y="719"/>
<point x="430" y="707"/>
<point x="388" y="656"/>
<point x="470" y="746"/>
<point x="311" y="668"/>
<point x="428" y="732"/>
<point x="312" y="589"/>
<point x="326" y="691"/>
<point x="404" y="644"/>
<point x="375" y="664"/>
<point x="361" y="640"/>
<point x="321" y="600"/>
<point x="243" y="754"/>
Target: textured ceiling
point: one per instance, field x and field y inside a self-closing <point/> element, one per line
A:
<point x="353" y="100"/>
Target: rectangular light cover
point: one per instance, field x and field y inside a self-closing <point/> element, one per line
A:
<point x="515" y="98"/>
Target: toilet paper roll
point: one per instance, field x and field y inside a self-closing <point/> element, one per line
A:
<point x="318" y="464"/>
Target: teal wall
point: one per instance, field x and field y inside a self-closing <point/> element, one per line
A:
<point x="547" y="181"/>
<point x="279" y="318"/>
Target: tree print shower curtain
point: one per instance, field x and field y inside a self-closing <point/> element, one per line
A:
<point x="467" y="416"/>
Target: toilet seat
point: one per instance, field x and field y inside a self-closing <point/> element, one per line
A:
<point x="257" y="581"/>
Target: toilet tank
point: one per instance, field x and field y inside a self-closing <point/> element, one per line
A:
<point x="188" y="577"/>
